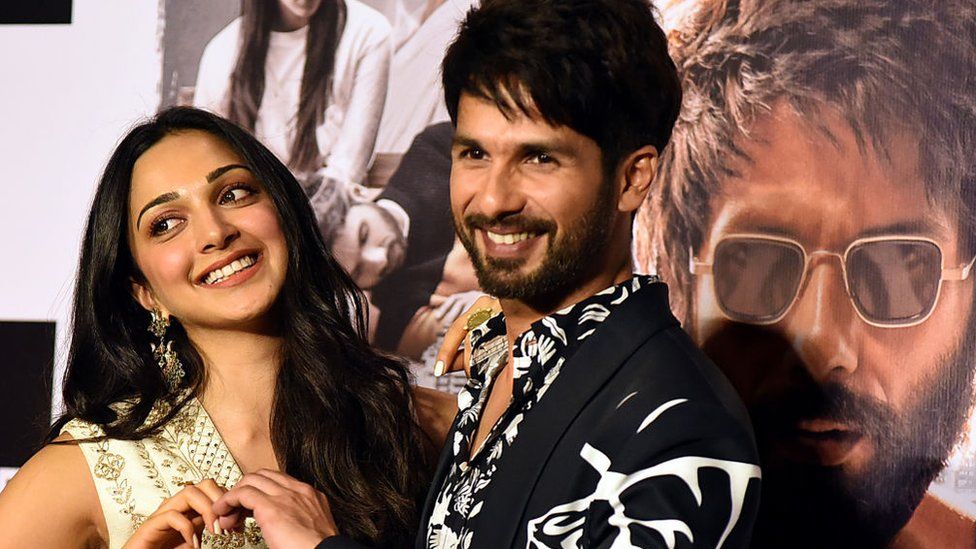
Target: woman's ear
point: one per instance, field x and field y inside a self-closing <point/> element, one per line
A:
<point x="637" y="172"/>
<point x="143" y="294"/>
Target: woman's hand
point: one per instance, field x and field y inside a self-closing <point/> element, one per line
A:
<point x="435" y="414"/>
<point x="289" y="512"/>
<point x="450" y="357"/>
<point x="179" y="521"/>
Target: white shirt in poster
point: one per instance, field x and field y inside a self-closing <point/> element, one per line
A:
<point x="355" y="104"/>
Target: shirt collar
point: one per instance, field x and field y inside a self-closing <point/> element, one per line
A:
<point x="549" y="341"/>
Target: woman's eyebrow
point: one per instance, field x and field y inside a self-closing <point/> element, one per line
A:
<point x="170" y="196"/>
<point x="224" y="169"/>
<point x="161" y="199"/>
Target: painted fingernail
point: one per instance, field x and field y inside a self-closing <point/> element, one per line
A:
<point x="439" y="368"/>
<point x="216" y="527"/>
<point x="196" y="542"/>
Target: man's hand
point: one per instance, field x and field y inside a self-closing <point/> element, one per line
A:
<point x="289" y="512"/>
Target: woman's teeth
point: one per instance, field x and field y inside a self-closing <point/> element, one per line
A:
<point x="217" y="275"/>
<point x="511" y="238"/>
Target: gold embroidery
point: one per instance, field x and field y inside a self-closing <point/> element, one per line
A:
<point x="251" y="536"/>
<point x="134" y="477"/>
<point x="109" y="466"/>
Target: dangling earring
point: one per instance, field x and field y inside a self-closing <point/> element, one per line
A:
<point x="163" y="351"/>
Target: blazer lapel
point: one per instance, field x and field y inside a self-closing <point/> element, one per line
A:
<point x="644" y="314"/>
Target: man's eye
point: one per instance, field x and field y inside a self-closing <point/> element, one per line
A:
<point x="473" y="154"/>
<point x="163" y="226"/>
<point x="541" y="158"/>
<point x="236" y="194"/>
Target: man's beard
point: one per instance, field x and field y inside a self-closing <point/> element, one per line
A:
<point x="814" y="506"/>
<point x="568" y="259"/>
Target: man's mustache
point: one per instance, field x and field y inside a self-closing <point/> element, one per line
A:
<point x="831" y="401"/>
<point x="519" y="222"/>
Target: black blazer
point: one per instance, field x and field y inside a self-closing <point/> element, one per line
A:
<point x="640" y="393"/>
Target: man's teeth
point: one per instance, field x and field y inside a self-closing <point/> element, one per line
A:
<point x="511" y="238"/>
<point x="217" y="275"/>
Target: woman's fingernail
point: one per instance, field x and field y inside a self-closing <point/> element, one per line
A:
<point x="439" y="368"/>
<point x="216" y="527"/>
<point x="196" y="542"/>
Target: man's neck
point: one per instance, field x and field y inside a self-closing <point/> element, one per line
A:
<point x="519" y="314"/>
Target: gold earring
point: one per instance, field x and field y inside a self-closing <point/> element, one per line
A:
<point x="163" y="351"/>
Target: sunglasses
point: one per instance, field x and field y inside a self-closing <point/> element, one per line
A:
<point x="892" y="281"/>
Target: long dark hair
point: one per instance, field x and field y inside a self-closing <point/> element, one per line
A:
<point x="342" y="418"/>
<point x="247" y="79"/>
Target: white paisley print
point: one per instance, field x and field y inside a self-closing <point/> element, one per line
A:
<point x="538" y="356"/>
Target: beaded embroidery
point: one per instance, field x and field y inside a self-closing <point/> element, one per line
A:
<point x="134" y="477"/>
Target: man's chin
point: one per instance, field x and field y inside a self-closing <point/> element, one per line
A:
<point x="508" y="280"/>
<point x="853" y="504"/>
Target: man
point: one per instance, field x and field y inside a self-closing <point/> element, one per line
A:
<point x="590" y="419"/>
<point x="815" y="218"/>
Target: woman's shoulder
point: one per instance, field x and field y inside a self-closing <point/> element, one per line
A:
<point x="54" y="487"/>
<point x="222" y="47"/>
<point x="227" y="36"/>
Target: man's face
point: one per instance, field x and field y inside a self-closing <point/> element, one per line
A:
<point x="854" y="419"/>
<point x="530" y="202"/>
<point x="369" y="245"/>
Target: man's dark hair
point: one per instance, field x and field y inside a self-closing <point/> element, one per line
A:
<point x="599" y="67"/>
<point x="885" y="65"/>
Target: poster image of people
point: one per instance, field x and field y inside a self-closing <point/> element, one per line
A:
<point x="814" y="218"/>
<point x="347" y="93"/>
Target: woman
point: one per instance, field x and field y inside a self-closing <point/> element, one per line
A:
<point x="250" y="360"/>
<point x="308" y="78"/>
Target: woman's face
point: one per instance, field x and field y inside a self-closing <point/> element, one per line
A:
<point x="204" y="234"/>
<point x="295" y="14"/>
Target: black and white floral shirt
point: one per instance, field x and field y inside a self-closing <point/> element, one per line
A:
<point x="538" y="356"/>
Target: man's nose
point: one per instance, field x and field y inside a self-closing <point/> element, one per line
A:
<point x="214" y="230"/>
<point x="822" y="325"/>
<point x="499" y="193"/>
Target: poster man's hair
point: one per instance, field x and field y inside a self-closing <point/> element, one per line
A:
<point x="884" y="65"/>
<point x="600" y="67"/>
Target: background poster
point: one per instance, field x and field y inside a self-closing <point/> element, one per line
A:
<point x="379" y="183"/>
<point x="813" y="215"/>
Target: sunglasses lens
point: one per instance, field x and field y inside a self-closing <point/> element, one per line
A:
<point x="894" y="281"/>
<point x="756" y="279"/>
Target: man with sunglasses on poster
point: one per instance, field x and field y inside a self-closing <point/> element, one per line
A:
<point x="815" y="217"/>
<point x="590" y="419"/>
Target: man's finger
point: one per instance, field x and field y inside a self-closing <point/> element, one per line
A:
<point x="450" y="357"/>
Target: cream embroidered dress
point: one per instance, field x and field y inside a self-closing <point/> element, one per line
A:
<point x="133" y="477"/>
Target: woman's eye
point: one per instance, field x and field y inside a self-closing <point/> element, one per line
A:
<point x="235" y="194"/>
<point x="163" y="226"/>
